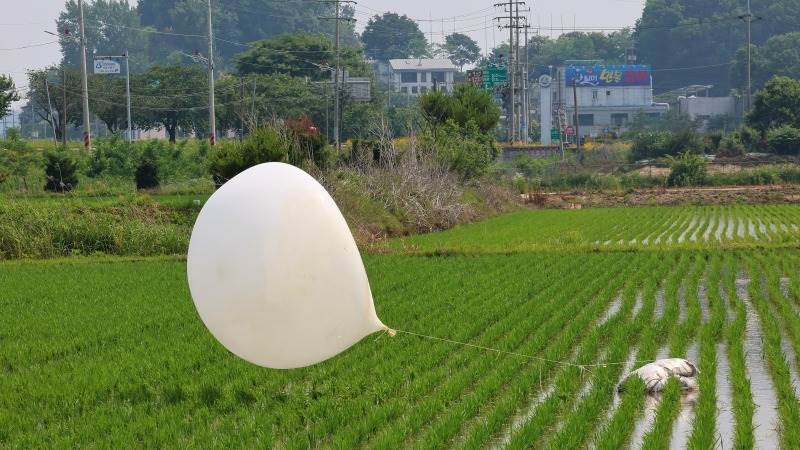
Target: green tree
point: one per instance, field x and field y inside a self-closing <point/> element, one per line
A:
<point x="108" y="101"/>
<point x="171" y="97"/>
<point x="8" y="94"/>
<point x="467" y="105"/>
<point x="776" y="105"/>
<point x="37" y="96"/>
<point x="235" y="21"/>
<point x="256" y="99"/>
<point x="472" y="104"/>
<point x="780" y="55"/>
<point x="112" y="27"/>
<point x="461" y="49"/>
<point x="392" y="36"/>
<point x="298" y="55"/>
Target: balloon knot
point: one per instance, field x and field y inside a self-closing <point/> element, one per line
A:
<point x="391" y="332"/>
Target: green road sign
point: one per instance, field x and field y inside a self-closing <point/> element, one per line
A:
<point x="494" y="76"/>
<point x="554" y="134"/>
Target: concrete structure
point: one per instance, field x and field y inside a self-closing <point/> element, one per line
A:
<point x="704" y="108"/>
<point x="608" y="97"/>
<point x="418" y="75"/>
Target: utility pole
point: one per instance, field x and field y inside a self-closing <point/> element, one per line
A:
<point x="577" y="126"/>
<point x="64" y="119"/>
<point x="128" y="95"/>
<point x="87" y="138"/>
<point x="336" y="117"/>
<point x="512" y="8"/>
<point x="525" y="90"/>
<point x="338" y="69"/>
<point x="50" y="107"/>
<point x="749" y="44"/>
<point x="212" y="118"/>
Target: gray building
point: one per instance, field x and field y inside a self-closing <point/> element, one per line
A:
<point x="418" y="75"/>
<point x="705" y="108"/>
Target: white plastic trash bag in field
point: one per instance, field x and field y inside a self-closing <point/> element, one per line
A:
<point x="275" y="273"/>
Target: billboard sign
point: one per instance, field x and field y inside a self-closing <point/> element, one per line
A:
<point x="105" y="66"/>
<point x="608" y="75"/>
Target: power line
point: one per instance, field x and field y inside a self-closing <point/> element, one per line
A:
<point x="40" y="44"/>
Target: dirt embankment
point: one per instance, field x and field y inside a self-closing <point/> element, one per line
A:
<point x="665" y="197"/>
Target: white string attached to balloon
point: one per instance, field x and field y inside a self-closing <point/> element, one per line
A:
<point x="393" y="332"/>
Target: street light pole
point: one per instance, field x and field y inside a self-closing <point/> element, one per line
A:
<point x="211" y="113"/>
<point x="86" y="129"/>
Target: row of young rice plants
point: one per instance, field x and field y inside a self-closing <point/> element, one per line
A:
<point x="742" y="402"/>
<point x="534" y="430"/>
<point x="443" y="361"/>
<point x="578" y="425"/>
<point x="493" y="370"/>
<point x="539" y="301"/>
<point x="781" y="302"/>
<point x="659" y="435"/>
<point x="788" y="403"/>
<point x="619" y="429"/>
<point x="703" y="434"/>
<point x="645" y="318"/>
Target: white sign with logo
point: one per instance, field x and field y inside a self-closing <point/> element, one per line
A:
<point x="106" y="66"/>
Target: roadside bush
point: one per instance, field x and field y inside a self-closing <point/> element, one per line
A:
<point x="751" y="139"/>
<point x="60" y="169"/>
<point x="730" y="147"/>
<point x="687" y="169"/>
<point x="228" y="159"/>
<point x="655" y="144"/>
<point x="147" y="172"/>
<point x="465" y="151"/>
<point x="784" y="140"/>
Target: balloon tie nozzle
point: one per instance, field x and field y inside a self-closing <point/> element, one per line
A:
<point x="390" y="332"/>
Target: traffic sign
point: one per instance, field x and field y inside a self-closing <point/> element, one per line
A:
<point x="555" y="134"/>
<point x="494" y="76"/>
<point x="570" y="130"/>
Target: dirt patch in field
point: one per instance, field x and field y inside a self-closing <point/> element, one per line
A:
<point x="665" y="197"/>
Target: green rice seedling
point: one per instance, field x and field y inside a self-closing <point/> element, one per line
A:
<point x="788" y="403"/>
<point x="742" y="402"/>
<point x="616" y="433"/>
<point x="669" y="405"/>
<point x="703" y="427"/>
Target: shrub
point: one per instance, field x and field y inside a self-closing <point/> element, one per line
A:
<point x="230" y="158"/>
<point x="730" y="147"/>
<point x="687" y="169"/>
<point x="61" y="171"/>
<point x="466" y="150"/>
<point x="147" y="171"/>
<point x="655" y="144"/>
<point x="784" y="140"/>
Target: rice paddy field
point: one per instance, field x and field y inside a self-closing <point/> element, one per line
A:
<point x="110" y="352"/>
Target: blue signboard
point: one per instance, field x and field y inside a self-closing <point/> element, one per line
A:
<point x="612" y="75"/>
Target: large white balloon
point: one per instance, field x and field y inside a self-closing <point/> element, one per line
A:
<point x="275" y="273"/>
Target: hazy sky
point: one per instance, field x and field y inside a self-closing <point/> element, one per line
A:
<point x="25" y="21"/>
